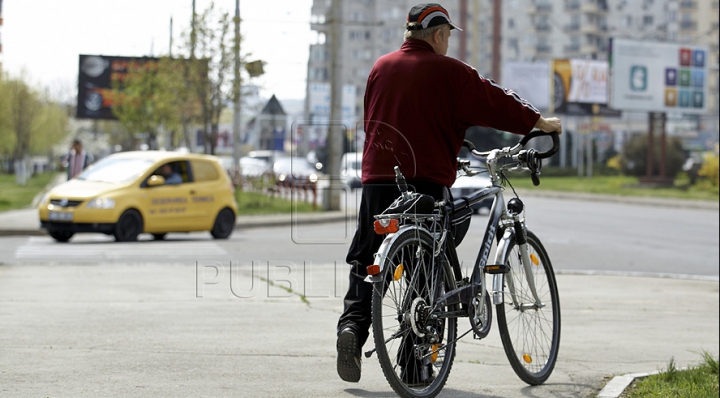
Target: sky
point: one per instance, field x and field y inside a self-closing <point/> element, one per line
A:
<point x="44" y="38"/>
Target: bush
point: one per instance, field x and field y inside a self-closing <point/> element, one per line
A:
<point x="634" y="156"/>
<point x="709" y="168"/>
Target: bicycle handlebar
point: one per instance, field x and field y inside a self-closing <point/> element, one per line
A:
<point x="533" y="134"/>
<point x="530" y="158"/>
<point x="538" y="133"/>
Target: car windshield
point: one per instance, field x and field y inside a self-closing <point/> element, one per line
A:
<point x="116" y="170"/>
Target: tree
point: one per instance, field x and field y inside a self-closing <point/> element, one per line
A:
<point x="210" y="69"/>
<point x="145" y="103"/>
<point x="30" y="123"/>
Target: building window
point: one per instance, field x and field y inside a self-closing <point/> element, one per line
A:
<point x="648" y="20"/>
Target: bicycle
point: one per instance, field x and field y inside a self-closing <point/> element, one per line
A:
<point x="419" y="291"/>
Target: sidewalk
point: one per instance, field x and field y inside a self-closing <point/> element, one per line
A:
<point x="114" y="330"/>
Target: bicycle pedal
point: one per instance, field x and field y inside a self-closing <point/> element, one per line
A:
<point x="497" y="269"/>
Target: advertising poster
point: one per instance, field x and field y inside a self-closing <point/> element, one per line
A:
<point x="97" y="74"/>
<point x="529" y="80"/>
<point x="659" y="77"/>
<point x="580" y="87"/>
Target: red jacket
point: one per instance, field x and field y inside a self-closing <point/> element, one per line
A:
<point x="418" y="105"/>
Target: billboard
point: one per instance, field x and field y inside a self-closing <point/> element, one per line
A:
<point x="97" y="75"/>
<point x="580" y="87"/>
<point x="658" y="77"/>
<point x="319" y="101"/>
<point x="530" y="80"/>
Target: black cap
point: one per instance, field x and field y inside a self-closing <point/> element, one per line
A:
<point x="428" y="15"/>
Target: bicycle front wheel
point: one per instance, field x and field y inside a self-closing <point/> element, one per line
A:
<point x="414" y="337"/>
<point x="530" y="334"/>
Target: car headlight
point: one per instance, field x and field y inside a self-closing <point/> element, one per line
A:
<point x="44" y="199"/>
<point x="101" y="203"/>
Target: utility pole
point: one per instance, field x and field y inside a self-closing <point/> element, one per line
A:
<point x="462" y="56"/>
<point x="237" y="84"/>
<point x="170" y="45"/>
<point x="497" y="30"/>
<point x="331" y="196"/>
<point x="193" y="35"/>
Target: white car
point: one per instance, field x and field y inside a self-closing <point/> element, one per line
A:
<point x="466" y="185"/>
<point x="351" y="170"/>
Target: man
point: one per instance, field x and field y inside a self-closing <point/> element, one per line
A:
<point x="418" y="105"/>
<point x="77" y="159"/>
<point x="170" y="176"/>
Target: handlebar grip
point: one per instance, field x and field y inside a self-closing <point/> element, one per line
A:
<point x="469" y="145"/>
<point x="538" y="133"/>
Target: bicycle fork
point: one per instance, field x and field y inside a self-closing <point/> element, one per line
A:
<point x="519" y="234"/>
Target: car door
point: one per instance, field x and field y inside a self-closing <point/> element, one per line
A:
<point x="203" y="203"/>
<point x="167" y="206"/>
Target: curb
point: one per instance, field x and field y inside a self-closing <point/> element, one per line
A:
<point x="615" y="387"/>
<point x="637" y="200"/>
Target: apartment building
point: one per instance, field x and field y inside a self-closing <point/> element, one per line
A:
<point x="535" y="30"/>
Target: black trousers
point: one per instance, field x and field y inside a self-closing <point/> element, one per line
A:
<point x="358" y="299"/>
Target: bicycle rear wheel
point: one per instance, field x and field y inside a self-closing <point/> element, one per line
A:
<point x="530" y="335"/>
<point x="415" y="343"/>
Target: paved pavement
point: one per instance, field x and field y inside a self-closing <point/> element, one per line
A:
<point x="118" y="330"/>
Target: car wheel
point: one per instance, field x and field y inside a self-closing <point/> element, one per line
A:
<point x="129" y="226"/>
<point x="224" y="224"/>
<point x="61" y="236"/>
<point x="159" y="236"/>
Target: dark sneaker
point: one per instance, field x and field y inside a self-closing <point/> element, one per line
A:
<point x="348" y="361"/>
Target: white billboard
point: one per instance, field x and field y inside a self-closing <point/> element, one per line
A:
<point x="530" y="80"/>
<point x="658" y="77"/>
<point x="319" y="101"/>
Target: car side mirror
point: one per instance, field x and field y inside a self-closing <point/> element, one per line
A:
<point x="155" y="180"/>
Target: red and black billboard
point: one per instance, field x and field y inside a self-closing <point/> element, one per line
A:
<point x="98" y="76"/>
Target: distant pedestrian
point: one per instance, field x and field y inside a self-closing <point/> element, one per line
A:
<point x="77" y="159"/>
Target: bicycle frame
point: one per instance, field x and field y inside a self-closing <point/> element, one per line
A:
<point x="498" y="219"/>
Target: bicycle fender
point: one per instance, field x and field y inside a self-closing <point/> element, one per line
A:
<point x="382" y="252"/>
<point x="499" y="279"/>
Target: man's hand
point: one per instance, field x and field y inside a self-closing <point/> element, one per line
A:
<point x="549" y="125"/>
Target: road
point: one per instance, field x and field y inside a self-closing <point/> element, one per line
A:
<point x="255" y="315"/>
<point x="579" y="236"/>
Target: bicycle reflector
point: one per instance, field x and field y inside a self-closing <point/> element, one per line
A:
<point x="386" y="226"/>
<point x="373" y="269"/>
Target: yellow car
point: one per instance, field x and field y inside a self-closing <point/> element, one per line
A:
<point x="128" y="193"/>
